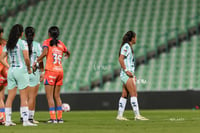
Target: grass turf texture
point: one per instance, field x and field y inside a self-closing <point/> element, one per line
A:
<point x="161" y="121"/>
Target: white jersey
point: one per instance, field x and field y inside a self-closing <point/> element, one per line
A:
<point x="16" y="57"/>
<point x="128" y="57"/>
<point x="36" y="52"/>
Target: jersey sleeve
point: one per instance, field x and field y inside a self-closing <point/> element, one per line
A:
<point x="125" y="50"/>
<point x="45" y="44"/>
<point x="24" y="45"/>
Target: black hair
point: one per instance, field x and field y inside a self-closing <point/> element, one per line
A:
<point x="1" y="29"/>
<point x="126" y="39"/>
<point x="29" y="32"/>
<point x="54" y="33"/>
<point x="1" y="39"/>
<point x="14" y="35"/>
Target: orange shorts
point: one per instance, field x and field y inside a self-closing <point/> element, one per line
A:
<point x="53" y="78"/>
<point x="3" y="76"/>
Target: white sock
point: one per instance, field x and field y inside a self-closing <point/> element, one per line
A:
<point x="21" y="112"/>
<point x="8" y="112"/>
<point x="122" y="105"/>
<point x="134" y="104"/>
<point x="24" y="112"/>
<point x="31" y="114"/>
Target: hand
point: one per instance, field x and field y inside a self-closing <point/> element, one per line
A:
<point x="129" y="74"/>
<point x="67" y="54"/>
<point x="29" y="71"/>
<point x="35" y="66"/>
<point x="41" y="76"/>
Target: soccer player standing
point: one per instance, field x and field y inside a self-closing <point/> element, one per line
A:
<point x="35" y="51"/>
<point x="126" y="60"/>
<point x="18" y="73"/>
<point x="3" y="79"/>
<point x="53" y="50"/>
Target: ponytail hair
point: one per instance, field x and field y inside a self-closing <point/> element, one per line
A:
<point x="30" y="32"/>
<point x="126" y="39"/>
<point x="15" y="34"/>
<point x="54" y="33"/>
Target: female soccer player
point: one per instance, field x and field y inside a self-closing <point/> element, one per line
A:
<point x="18" y="73"/>
<point x="34" y="51"/>
<point x="3" y="79"/>
<point x="126" y="60"/>
<point x="53" y="50"/>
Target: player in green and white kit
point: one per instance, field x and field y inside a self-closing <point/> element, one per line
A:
<point x="127" y="62"/>
<point x="35" y="77"/>
<point x="18" y="73"/>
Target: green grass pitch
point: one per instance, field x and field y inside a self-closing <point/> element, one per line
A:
<point x="161" y="121"/>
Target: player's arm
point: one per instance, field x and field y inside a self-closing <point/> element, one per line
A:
<point x="41" y="66"/>
<point x="67" y="54"/>
<point x="121" y="61"/>
<point x="44" y="53"/>
<point x="27" y="60"/>
<point x="3" y="59"/>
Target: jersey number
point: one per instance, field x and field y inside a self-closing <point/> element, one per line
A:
<point x="57" y="59"/>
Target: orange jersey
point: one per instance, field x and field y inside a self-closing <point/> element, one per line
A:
<point x="54" y="56"/>
<point x="1" y="50"/>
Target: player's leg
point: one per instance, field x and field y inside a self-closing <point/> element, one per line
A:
<point x="8" y="106"/>
<point x="57" y="98"/>
<point x="22" y="79"/>
<point x="24" y="106"/>
<point x="3" y="85"/>
<point x="122" y="103"/>
<point x="131" y="87"/>
<point x="58" y="103"/>
<point x="49" y="83"/>
<point x="32" y="94"/>
<point x="49" y="95"/>
<point x="2" y="106"/>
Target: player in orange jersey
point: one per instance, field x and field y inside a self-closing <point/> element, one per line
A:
<point x="53" y="50"/>
<point x="3" y="79"/>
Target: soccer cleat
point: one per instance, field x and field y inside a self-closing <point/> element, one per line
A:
<point x="10" y="123"/>
<point x="33" y="121"/>
<point x="28" y="123"/>
<point x="60" y="121"/>
<point x="121" y="118"/>
<point x="2" y="122"/>
<point x="52" y="121"/>
<point x="139" y="117"/>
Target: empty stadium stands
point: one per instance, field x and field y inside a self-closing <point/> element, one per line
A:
<point x="92" y="31"/>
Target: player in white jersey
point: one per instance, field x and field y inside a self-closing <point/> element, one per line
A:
<point x="126" y="60"/>
<point x="18" y="73"/>
<point x="35" y="77"/>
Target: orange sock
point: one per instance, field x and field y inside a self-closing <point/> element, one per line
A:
<point x="1" y="117"/>
<point x="59" y="114"/>
<point x="52" y="115"/>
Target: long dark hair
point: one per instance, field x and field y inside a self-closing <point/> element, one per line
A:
<point x="29" y="32"/>
<point x="126" y="39"/>
<point x="14" y="35"/>
<point x="1" y="39"/>
<point x="54" y="33"/>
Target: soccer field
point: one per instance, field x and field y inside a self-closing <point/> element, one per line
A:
<point x="161" y="121"/>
